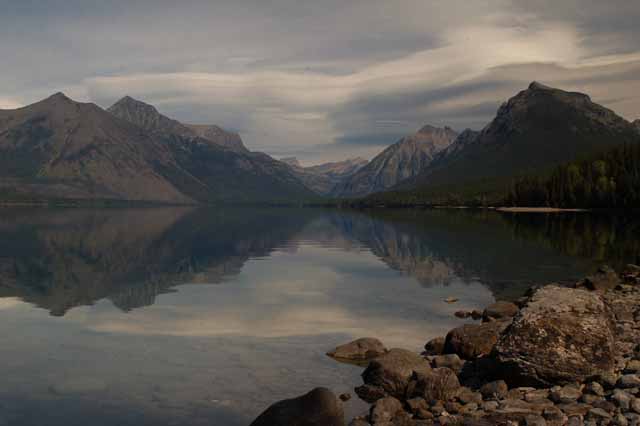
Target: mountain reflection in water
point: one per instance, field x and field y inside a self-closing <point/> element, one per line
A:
<point x="177" y="316"/>
<point x="60" y="259"/>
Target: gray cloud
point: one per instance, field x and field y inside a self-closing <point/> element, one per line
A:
<point x="320" y="80"/>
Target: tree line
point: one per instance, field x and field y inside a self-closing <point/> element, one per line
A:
<point x="610" y="179"/>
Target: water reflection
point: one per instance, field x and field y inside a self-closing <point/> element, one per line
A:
<point x="200" y="317"/>
<point x="60" y="259"/>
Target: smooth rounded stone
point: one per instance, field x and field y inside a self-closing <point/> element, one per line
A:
<point x="599" y="413"/>
<point x="438" y="384"/>
<point x="514" y="394"/>
<point x="497" y="389"/>
<point x="565" y="394"/>
<point x="435" y="346"/>
<point x="635" y="405"/>
<point x="605" y="405"/>
<point x="561" y="336"/>
<point x="490" y="406"/>
<point x="415" y="404"/>
<point x="467" y="396"/>
<point x="621" y="399"/>
<point x="451" y="361"/>
<point x="473" y="340"/>
<point x="628" y="381"/>
<point x="391" y="373"/>
<point x="320" y="407"/>
<point x="590" y="399"/>
<point x="534" y="421"/>
<point x="594" y="388"/>
<point x="536" y="395"/>
<point x="523" y="407"/>
<point x="384" y="410"/>
<point x="607" y="379"/>
<point x="362" y="349"/>
<point x="574" y="409"/>
<point x="500" y="310"/>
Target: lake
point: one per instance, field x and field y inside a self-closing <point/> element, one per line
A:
<point x="176" y="316"/>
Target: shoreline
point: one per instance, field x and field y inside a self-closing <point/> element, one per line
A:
<point x="561" y="355"/>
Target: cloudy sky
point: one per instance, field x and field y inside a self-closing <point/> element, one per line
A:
<point x="320" y="79"/>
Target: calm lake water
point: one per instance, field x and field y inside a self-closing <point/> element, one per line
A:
<point x="205" y="317"/>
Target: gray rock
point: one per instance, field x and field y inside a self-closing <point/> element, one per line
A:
<point x="620" y="420"/>
<point x="390" y="374"/>
<point x="500" y="310"/>
<point x="320" y="407"/>
<point x="561" y="336"/>
<point x="361" y="349"/>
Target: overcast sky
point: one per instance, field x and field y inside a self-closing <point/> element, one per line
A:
<point x="320" y="79"/>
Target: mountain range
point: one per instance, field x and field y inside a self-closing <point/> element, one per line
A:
<point x="62" y="149"/>
<point x="538" y="129"/>
<point x="402" y="160"/>
<point x="324" y="178"/>
<point x="59" y="149"/>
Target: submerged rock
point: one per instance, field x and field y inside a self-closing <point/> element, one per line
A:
<point x="562" y="336"/>
<point x="320" y="407"/>
<point x="359" y="350"/>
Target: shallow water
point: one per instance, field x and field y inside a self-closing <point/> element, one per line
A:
<point x="205" y="317"/>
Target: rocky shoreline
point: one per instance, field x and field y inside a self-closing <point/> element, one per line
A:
<point x="562" y="355"/>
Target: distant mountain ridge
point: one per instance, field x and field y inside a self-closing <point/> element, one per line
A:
<point x="222" y="168"/>
<point x="537" y="129"/>
<point x="59" y="149"/>
<point x="637" y="124"/>
<point x="323" y="178"/>
<point x="150" y="119"/>
<point x="402" y="160"/>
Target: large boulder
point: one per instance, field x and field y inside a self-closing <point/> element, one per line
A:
<point x="320" y="407"/>
<point x="389" y="374"/>
<point x="359" y="350"/>
<point x="473" y="340"/>
<point x="561" y="336"/>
